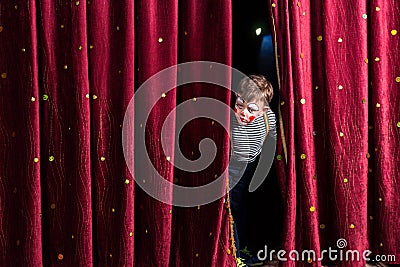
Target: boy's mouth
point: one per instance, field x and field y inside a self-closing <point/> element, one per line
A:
<point x="243" y="120"/>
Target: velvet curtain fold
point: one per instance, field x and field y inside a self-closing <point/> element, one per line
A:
<point x="68" y="71"/>
<point x="338" y="152"/>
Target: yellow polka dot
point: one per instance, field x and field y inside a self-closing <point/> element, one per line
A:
<point x="393" y="32"/>
<point x="273" y="5"/>
<point x="1" y="28"/>
<point x="194" y="99"/>
<point x="36" y="160"/>
<point x="398" y="79"/>
<point x="160" y="40"/>
<point x="322" y="226"/>
<point x="51" y="158"/>
<point x="80" y="48"/>
<point x="94" y="96"/>
<point x="77" y="3"/>
<point x="197" y="254"/>
<point x="23" y="49"/>
<point x="371" y="218"/>
<point x="340" y="40"/>
<point x="146" y="231"/>
<point x="304" y="13"/>
<point x="102" y="158"/>
<point x="364" y="16"/>
<point x="378" y="105"/>
<point x="62" y="26"/>
<point x="163" y="95"/>
<point x="319" y="38"/>
<point x="380" y="199"/>
<point x="228" y="251"/>
<point x="112" y="210"/>
<point x="352" y="226"/>
<point x="316" y="87"/>
<point x="16" y="7"/>
<point x="302" y="101"/>
<point x="398" y="124"/>
<point x="87" y="95"/>
<point x="303" y="156"/>
<point x="110" y="255"/>
<point x="60" y="256"/>
<point x="91" y="46"/>
<point x="127" y="181"/>
<point x="341" y="134"/>
<point x="72" y="237"/>
<point x="364" y="101"/>
<point x="185" y="33"/>
<point x="369" y="170"/>
<point x="33" y="99"/>
<point x="117" y="28"/>
<point x="309" y="260"/>
<point x="53" y="206"/>
<point x="18" y="242"/>
<point x="366" y="60"/>
<point x="168" y="158"/>
<point x="170" y="211"/>
<point x="282" y="103"/>
<point x="65" y="67"/>
<point x="345" y="180"/>
<point x="340" y="87"/>
<point x="376" y="59"/>
<point x="377" y="8"/>
<point x="130" y="234"/>
<point x="301" y="55"/>
<point x="312" y="208"/>
<point x="298" y="4"/>
<point x="198" y="207"/>
<point x="4" y="75"/>
<point x="212" y="122"/>
<point x="381" y="244"/>
<point x="144" y="181"/>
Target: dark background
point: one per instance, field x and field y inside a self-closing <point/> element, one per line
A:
<point x="254" y="54"/>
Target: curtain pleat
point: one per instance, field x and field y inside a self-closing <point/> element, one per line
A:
<point x="69" y="70"/>
<point x="208" y="245"/>
<point x="20" y="191"/>
<point x="337" y="155"/>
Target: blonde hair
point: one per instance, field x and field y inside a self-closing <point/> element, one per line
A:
<point x="256" y="87"/>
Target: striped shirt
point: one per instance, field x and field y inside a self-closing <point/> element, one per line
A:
<point x="247" y="140"/>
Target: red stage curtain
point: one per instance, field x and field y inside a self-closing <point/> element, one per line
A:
<point x="68" y="71"/>
<point x="338" y="153"/>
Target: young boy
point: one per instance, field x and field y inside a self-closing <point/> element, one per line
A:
<point x="252" y="123"/>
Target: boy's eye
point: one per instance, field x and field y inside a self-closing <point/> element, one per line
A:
<point x="239" y="105"/>
<point x="252" y="108"/>
<point x="239" y="100"/>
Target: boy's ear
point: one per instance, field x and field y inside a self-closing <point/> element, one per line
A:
<point x="265" y="109"/>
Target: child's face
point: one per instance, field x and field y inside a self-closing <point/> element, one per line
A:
<point x="246" y="113"/>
